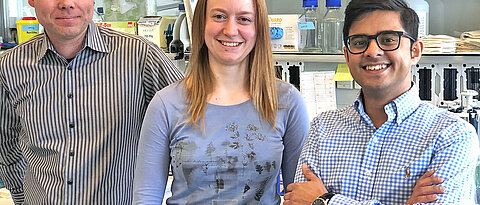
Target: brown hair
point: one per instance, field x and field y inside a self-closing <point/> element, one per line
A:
<point x="262" y="81"/>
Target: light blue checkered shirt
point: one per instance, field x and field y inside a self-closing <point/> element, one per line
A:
<point x="365" y="165"/>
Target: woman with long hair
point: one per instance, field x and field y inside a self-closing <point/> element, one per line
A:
<point x="229" y="127"/>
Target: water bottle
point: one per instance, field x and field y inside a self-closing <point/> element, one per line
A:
<point x="436" y="25"/>
<point x="332" y="28"/>
<point x="308" y="27"/>
<point x="422" y="9"/>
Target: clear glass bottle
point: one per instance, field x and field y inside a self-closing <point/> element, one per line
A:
<point x="422" y="8"/>
<point x="332" y="28"/>
<point x="436" y="17"/>
<point x="308" y="27"/>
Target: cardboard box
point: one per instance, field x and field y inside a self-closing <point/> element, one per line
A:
<point x="123" y="26"/>
<point x="284" y="32"/>
<point x="156" y="28"/>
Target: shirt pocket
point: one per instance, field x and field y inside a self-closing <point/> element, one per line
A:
<point x="407" y="172"/>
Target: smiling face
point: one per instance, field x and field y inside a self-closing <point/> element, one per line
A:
<point x="229" y="31"/>
<point x="378" y="71"/>
<point x="64" y="19"/>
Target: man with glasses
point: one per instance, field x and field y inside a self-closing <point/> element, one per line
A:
<point x="388" y="147"/>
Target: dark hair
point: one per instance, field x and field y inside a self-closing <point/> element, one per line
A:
<point x="358" y="8"/>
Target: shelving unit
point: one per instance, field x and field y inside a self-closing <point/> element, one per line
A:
<point x="436" y="63"/>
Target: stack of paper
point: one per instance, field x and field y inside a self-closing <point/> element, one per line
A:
<point x="439" y="44"/>
<point x="470" y="35"/>
<point x="470" y="41"/>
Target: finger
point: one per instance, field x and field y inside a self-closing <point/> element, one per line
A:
<point x="427" y="174"/>
<point x="290" y="187"/>
<point x="427" y="198"/>
<point x="429" y="181"/>
<point x="309" y="175"/>
<point x="423" y="191"/>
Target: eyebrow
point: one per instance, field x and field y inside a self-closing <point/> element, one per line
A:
<point x="225" y="11"/>
<point x="364" y="34"/>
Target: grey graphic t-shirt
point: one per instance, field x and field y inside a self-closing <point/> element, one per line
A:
<point x="235" y="161"/>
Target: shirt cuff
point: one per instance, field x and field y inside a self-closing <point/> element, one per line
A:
<point x="18" y="197"/>
<point x="342" y="199"/>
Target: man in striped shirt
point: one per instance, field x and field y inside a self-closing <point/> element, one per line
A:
<point x="72" y="101"/>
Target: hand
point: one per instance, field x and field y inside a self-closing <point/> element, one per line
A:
<point x="305" y="192"/>
<point x="424" y="191"/>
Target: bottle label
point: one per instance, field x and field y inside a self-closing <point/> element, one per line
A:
<point x="422" y="27"/>
<point x="30" y="27"/>
<point x="305" y="25"/>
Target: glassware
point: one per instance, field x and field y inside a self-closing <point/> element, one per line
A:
<point x="308" y="27"/>
<point x="332" y="28"/>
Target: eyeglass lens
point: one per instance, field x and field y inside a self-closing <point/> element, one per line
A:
<point x="386" y="41"/>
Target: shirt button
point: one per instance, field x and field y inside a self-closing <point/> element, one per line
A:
<point x="70" y="95"/>
<point x="71" y="125"/>
<point x="71" y="153"/>
<point x="69" y="67"/>
<point x="69" y="182"/>
<point x="368" y="173"/>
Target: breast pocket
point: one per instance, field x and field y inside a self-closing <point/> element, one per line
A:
<point x="411" y="171"/>
<point x="406" y="173"/>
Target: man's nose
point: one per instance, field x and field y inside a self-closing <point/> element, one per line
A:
<point x="373" y="49"/>
<point x="66" y="4"/>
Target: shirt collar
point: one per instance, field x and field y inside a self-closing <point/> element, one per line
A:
<point x="407" y="103"/>
<point x="93" y="40"/>
<point x="399" y="109"/>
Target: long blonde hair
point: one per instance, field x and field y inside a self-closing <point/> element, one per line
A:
<point x="262" y="81"/>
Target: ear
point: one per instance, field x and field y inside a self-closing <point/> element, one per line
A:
<point x="345" y="53"/>
<point x="31" y="2"/>
<point x="417" y="50"/>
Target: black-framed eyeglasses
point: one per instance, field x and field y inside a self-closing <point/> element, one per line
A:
<point x="386" y="40"/>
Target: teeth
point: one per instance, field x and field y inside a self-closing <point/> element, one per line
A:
<point x="230" y="44"/>
<point x="376" y="67"/>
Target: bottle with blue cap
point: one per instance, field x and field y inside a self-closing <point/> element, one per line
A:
<point x="308" y="27"/>
<point x="332" y="28"/>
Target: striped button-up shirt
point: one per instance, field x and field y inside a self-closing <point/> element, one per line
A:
<point x="365" y="165"/>
<point x="69" y="128"/>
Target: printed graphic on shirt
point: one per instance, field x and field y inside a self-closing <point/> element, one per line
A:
<point x="236" y="164"/>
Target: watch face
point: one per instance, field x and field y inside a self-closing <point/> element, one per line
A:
<point x="319" y="202"/>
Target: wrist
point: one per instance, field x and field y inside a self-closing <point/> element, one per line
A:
<point x="323" y="199"/>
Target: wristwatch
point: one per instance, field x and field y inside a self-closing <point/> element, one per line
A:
<point x="323" y="199"/>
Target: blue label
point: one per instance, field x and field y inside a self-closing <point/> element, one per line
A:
<point x="305" y="25"/>
<point x="30" y="27"/>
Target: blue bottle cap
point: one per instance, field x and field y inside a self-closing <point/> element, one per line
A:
<point x="333" y="3"/>
<point x="310" y="3"/>
<point x="181" y="7"/>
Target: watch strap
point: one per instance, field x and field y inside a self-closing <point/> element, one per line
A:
<point x="323" y="199"/>
<point x="328" y="195"/>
